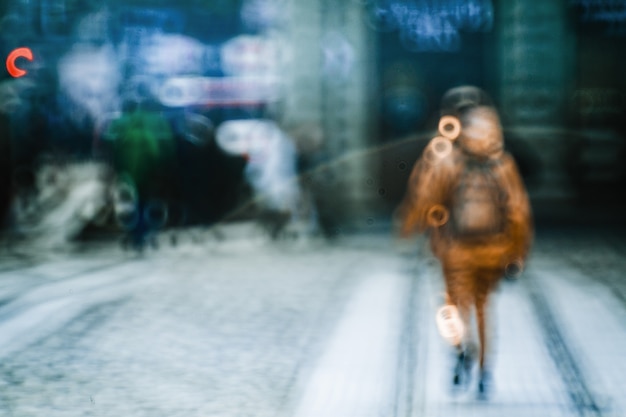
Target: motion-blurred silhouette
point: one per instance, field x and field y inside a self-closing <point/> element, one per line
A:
<point x="466" y="192"/>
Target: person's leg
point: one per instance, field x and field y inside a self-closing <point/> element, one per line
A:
<point x="139" y="231"/>
<point x="481" y="301"/>
<point x="460" y="293"/>
<point x="483" y="290"/>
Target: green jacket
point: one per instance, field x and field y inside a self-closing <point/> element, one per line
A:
<point x="143" y="142"/>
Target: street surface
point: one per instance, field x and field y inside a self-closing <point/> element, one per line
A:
<point x="243" y="327"/>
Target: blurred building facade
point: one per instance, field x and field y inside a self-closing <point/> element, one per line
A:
<point x="553" y="69"/>
<point x="357" y="83"/>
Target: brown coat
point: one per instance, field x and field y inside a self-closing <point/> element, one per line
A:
<point x="471" y="266"/>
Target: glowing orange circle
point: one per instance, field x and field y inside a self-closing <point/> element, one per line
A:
<point x="449" y="127"/>
<point x="15" y="54"/>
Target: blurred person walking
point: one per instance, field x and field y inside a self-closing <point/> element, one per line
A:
<point x="143" y="150"/>
<point x="465" y="191"/>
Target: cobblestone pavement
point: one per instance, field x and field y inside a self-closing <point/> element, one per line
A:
<point x="217" y="332"/>
<point x="247" y="328"/>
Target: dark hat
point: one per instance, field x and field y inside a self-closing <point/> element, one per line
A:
<point x="457" y="100"/>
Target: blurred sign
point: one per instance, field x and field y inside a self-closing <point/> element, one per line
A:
<point x="605" y="16"/>
<point x="218" y="91"/>
<point x="431" y="26"/>
<point x="13" y="56"/>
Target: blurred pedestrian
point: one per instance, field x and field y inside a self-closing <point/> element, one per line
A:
<point x="143" y="146"/>
<point x="271" y="172"/>
<point x="466" y="192"/>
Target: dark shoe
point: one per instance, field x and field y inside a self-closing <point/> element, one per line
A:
<point x="484" y="385"/>
<point x="462" y="369"/>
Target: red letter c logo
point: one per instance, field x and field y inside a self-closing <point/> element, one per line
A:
<point x="18" y="53"/>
